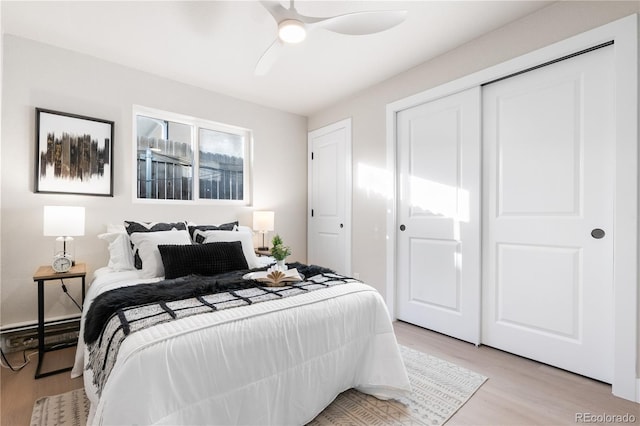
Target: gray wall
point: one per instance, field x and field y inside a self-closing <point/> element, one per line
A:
<point x="38" y="75"/>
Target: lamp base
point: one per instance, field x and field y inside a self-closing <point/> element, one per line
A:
<point x="66" y="246"/>
<point x="263" y="248"/>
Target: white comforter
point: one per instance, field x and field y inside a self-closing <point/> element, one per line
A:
<point x="278" y="362"/>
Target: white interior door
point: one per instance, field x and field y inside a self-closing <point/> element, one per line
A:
<point x="438" y="241"/>
<point x="329" y="225"/>
<point x="548" y="184"/>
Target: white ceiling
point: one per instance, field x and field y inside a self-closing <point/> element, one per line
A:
<point x="215" y="45"/>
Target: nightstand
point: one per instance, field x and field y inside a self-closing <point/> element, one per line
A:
<point x="46" y="273"/>
<point x="266" y="252"/>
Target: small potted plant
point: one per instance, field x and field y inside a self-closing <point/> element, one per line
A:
<point x="279" y="251"/>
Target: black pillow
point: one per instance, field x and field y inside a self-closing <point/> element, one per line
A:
<point x="202" y="259"/>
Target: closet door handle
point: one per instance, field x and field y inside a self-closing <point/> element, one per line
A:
<point x="402" y="227"/>
<point x="598" y="233"/>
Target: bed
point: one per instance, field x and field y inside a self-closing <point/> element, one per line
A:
<point x="259" y="359"/>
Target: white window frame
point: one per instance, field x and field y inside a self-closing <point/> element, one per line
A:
<point x="196" y="124"/>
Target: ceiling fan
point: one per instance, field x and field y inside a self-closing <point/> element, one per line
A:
<point x="293" y="27"/>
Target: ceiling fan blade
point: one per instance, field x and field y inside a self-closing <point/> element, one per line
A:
<point x="276" y="10"/>
<point x="361" y="23"/>
<point x="268" y="58"/>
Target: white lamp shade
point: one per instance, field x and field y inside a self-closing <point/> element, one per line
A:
<point x="63" y="221"/>
<point x="263" y="221"/>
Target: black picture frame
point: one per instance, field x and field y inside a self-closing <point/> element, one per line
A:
<point x="74" y="154"/>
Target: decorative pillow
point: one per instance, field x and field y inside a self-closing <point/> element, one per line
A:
<point x="197" y="230"/>
<point x="202" y="259"/>
<point x="246" y="238"/>
<point x="132" y="227"/>
<point x="120" y="257"/>
<point x="147" y="245"/>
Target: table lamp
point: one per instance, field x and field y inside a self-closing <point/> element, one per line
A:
<point x="263" y="223"/>
<point x="63" y="222"/>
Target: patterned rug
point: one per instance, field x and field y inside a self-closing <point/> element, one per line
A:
<point x="440" y="388"/>
<point x="68" y="409"/>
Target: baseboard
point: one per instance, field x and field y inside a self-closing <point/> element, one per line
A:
<point x="25" y="336"/>
<point x="638" y="390"/>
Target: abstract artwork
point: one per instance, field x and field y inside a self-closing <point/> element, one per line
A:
<point x="74" y="154"/>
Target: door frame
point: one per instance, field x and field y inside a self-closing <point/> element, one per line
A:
<point x="346" y="124"/>
<point x="624" y="33"/>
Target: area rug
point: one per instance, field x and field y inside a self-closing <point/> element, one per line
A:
<point x="440" y="388"/>
<point x="68" y="409"/>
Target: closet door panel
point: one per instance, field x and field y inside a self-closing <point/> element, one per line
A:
<point x="438" y="279"/>
<point x="548" y="140"/>
<point x="540" y="158"/>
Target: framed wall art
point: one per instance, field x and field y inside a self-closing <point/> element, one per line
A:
<point x="74" y="154"/>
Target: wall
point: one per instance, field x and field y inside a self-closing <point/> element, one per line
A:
<point x="38" y="75"/>
<point x="1" y="80"/>
<point x="367" y="108"/>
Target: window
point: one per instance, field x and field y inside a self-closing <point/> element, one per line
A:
<point x="221" y="165"/>
<point x="165" y="159"/>
<point x="171" y="150"/>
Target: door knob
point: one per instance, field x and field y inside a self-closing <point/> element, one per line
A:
<point x="402" y="227"/>
<point x="597" y="233"/>
<point x="341" y="225"/>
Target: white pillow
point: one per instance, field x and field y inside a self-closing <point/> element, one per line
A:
<point x="148" y="242"/>
<point x="245" y="238"/>
<point x="120" y="257"/>
<point x="115" y="228"/>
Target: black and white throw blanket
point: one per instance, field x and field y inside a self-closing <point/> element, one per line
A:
<point x="116" y="314"/>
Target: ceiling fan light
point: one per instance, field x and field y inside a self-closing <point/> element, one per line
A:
<point x="291" y="31"/>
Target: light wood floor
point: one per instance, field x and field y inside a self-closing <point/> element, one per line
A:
<point x="518" y="392"/>
<point x="19" y="390"/>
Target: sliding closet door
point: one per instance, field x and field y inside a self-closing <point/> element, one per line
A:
<point x="548" y="214"/>
<point x="438" y="241"/>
